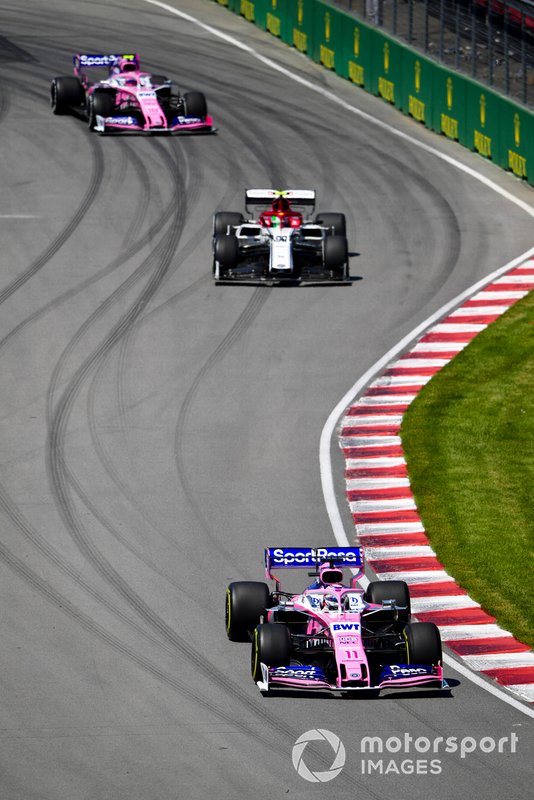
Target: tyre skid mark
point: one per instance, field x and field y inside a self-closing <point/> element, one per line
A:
<point x="58" y="472"/>
<point x="63" y="236"/>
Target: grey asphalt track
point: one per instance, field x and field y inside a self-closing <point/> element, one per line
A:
<point x="157" y="431"/>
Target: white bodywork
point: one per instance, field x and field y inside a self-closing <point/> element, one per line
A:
<point x="281" y="251"/>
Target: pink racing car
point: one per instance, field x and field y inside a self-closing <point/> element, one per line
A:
<point x="128" y="100"/>
<point x="332" y="636"/>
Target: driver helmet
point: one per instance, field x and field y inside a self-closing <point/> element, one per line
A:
<point x="331" y="602"/>
<point x="129" y="65"/>
<point x="330" y="574"/>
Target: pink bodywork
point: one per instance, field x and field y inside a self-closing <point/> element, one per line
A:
<point x="341" y="626"/>
<point x="139" y="89"/>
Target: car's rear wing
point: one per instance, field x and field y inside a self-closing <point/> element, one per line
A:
<point x="83" y="61"/>
<point x="311" y="557"/>
<point x="300" y="197"/>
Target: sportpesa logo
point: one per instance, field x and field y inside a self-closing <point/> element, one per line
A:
<point x="304" y="673"/>
<point x="98" y="61"/>
<point x="295" y="556"/>
<point x="121" y="120"/>
<point x="318" y="735"/>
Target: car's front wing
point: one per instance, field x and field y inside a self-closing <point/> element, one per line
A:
<point x="312" y="678"/>
<point x="129" y="124"/>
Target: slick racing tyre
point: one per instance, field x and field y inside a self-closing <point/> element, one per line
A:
<point x="246" y="601"/>
<point x="66" y="93"/>
<point x="223" y="219"/>
<point x="158" y="80"/>
<point x="272" y="646"/>
<point x="195" y="105"/>
<point x="336" y="223"/>
<point x="225" y="253"/>
<point x="336" y="254"/>
<point x="423" y="643"/>
<point x="100" y="104"/>
<point x="378" y="591"/>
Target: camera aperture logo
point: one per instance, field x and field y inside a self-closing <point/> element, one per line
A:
<point x="316" y="735"/>
<point x="405" y="754"/>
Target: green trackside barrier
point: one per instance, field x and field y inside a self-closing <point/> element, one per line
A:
<point x="289" y="20"/>
<point x="386" y="80"/>
<point x="277" y="19"/>
<point x="417" y="89"/>
<point x="449" y="102"/>
<point x="445" y="101"/>
<point x="300" y="14"/>
<point x="516" y="138"/>
<point x="231" y="5"/>
<point x="482" y="113"/>
<point x="355" y="55"/>
<point x="327" y="44"/>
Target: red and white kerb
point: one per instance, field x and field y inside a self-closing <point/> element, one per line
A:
<point x="383" y="509"/>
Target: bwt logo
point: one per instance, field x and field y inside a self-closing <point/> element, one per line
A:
<point x="345" y="626"/>
<point x="318" y="735"/>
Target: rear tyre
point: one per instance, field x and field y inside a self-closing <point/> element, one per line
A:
<point x="378" y="591"/>
<point x="66" y="93"/>
<point x="246" y="602"/>
<point x="272" y="646"/>
<point x="195" y="105"/>
<point x="158" y="80"/>
<point x="336" y="254"/>
<point x="222" y="219"/>
<point x="423" y="643"/>
<point x="100" y="104"/>
<point x="336" y="223"/>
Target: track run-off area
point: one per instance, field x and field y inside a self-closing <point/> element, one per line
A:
<point x="158" y="431"/>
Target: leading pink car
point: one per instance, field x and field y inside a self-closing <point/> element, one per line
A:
<point x="332" y="636"/>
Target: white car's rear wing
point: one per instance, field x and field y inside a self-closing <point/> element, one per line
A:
<point x="301" y="197"/>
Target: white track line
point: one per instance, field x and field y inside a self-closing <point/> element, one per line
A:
<point x="367" y="377"/>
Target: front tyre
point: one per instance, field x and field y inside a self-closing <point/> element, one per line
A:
<point x="423" y="643"/>
<point x="246" y="602"/>
<point x="271" y="646"/>
<point x="225" y="254"/>
<point x="195" y="105"/>
<point x="100" y="104"/>
<point x="336" y="254"/>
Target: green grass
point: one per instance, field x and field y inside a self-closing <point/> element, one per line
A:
<point x="469" y="444"/>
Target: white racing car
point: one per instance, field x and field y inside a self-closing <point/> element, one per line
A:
<point x="281" y="243"/>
